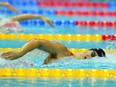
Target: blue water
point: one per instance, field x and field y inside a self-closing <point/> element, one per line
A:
<point x="36" y="59"/>
<point x="64" y="25"/>
<point x="68" y="44"/>
<point x="57" y="82"/>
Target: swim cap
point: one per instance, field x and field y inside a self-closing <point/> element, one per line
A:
<point x="99" y="51"/>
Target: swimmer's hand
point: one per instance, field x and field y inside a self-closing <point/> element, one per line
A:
<point x="48" y="21"/>
<point x="11" y="55"/>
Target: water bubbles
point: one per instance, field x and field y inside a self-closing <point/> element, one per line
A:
<point x="96" y="62"/>
<point x="36" y="59"/>
<point x="110" y="44"/>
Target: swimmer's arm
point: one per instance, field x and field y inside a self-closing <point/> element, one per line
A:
<point x="50" y="58"/>
<point x="31" y="16"/>
<point x="29" y="46"/>
<point x="8" y="6"/>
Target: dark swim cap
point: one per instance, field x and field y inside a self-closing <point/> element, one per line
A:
<point x="99" y="51"/>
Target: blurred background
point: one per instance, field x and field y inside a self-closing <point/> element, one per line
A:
<point x="73" y="17"/>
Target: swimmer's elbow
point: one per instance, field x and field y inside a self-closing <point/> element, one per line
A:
<point x="45" y="63"/>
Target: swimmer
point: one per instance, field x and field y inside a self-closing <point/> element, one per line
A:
<point x="5" y="4"/>
<point x="56" y="51"/>
<point x="12" y="24"/>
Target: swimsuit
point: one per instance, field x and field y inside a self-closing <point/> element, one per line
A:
<point x="71" y="54"/>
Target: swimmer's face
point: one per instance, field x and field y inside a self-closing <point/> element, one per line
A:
<point x="88" y="54"/>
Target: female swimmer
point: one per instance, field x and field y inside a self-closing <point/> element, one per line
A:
<point x="12" y="24"/>
<point x="56" y="51"/>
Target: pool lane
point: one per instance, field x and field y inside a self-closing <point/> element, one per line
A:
<point x="68" y="44"/>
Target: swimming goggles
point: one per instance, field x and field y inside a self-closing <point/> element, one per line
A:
<point x="93" y="54"/>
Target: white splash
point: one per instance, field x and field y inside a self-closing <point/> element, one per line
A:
<point x="36" y="58"/>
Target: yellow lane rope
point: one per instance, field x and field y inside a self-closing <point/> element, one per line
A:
<point x="80" y="37"/>
<point x="77" y="73"/>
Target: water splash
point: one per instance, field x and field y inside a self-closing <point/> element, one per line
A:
<point x="97" y="62"/>
<point x="36" y="58"/>
<point x="111" y="44"/>
<point x="29" y="60"/>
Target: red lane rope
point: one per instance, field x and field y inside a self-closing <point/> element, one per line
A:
<point x="85" y="13"/>
<point x="108" y="37"/>
<point x="96" y="23"/>
<point x="74" y="4"/>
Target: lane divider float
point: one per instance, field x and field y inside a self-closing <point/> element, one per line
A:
<point x="65" y="12"/>
<point x="85" y="13"/>
<point x="44" y="72"/>
<point x="78" y="37"/>
<point x="72" y="23"/>
<point x="74" y="4"/>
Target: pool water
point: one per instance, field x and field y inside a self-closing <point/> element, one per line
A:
<point x="57" y="82"/>
<point x="63" y="25"/>
<point x="35" y="59"/>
